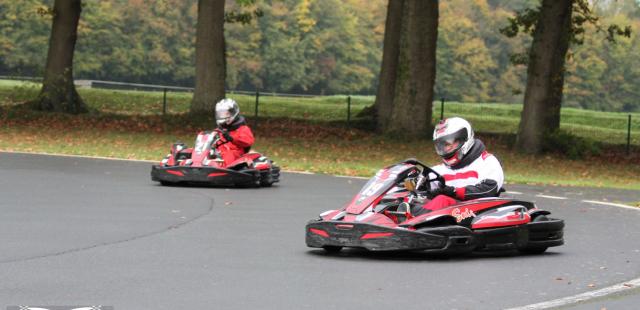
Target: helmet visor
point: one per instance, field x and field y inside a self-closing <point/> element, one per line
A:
<point x="223" y="117"/>
<point x="447" y="146"/>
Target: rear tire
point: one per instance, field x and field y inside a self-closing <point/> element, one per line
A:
<point x="332" y="248"/>
<point x="535" y="250"/>
<point x="166" y="183"/>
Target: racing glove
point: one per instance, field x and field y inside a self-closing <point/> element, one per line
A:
<point x="227" y="136"/>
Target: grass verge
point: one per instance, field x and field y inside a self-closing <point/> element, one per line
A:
<point x="313" y="137"/>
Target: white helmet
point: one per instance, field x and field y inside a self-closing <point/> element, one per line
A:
<point x="226" y="111"/>
<point x="453" y="138"/>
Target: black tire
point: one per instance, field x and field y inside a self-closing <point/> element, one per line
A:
<point x="166" y="183"/>
<point x="332" y="248"/>
<point x="535" y="250"/>
<point x="266" y="179"/>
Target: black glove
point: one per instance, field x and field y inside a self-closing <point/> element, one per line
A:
<point x="227" y="136"/>
<point x="446" y="190"/>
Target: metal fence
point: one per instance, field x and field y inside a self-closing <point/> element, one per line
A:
<point x="166" y="88"/>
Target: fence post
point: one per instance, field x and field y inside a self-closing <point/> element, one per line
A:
<point x="256" y="111"/>
<point x="164" y="102"/>
<point x="441" y="108"/>
<point x="348" y="111"/>
<point x="629" y="136"/>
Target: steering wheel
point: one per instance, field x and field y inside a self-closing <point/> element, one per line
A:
<point x="426" y="173"/>
<point x="219" y="142"/>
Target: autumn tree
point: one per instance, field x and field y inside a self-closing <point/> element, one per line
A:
<point x="210" y="58"/>
<point x="554" y="26"/>
<point x="389" y="67"/>
<point x="58" y="91"/>
<point x="406" y="106"/>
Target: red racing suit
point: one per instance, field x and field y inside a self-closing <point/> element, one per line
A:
<point x="241" y="141"/>
<point x="479" y="174"/>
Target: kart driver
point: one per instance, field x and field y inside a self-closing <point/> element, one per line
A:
<point x="236" y="135"/>
<point x="469" y="171"/>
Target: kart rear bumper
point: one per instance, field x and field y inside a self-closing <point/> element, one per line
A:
<point x="532" y="235"/>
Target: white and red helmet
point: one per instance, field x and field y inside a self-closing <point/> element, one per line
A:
<point x="226" y="111"/>
<point x="453" y="138"/>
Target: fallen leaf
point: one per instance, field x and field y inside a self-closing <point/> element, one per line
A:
<point x="591" y="285"/>
<point x="559" y="279"/>
<point x="628" y="285"/>
<point x="228" y="203"/>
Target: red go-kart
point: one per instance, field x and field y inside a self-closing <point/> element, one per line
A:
<point x="379" y="218"/>
<point x="203" y="164"/>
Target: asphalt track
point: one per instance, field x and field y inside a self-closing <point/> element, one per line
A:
<point x="92" y="231"/>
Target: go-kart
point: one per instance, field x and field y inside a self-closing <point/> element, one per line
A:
<point x="203" y="164"/>
<point x="380" y="218"/>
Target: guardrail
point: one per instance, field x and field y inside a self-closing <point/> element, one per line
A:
<point x="82" y="83"/>
<point x="125" y="85"/>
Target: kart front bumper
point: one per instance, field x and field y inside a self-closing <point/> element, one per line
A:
<point x="373" y="237"/>
<point x="206" y="175"/>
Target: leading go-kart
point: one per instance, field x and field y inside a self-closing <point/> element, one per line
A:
<point x="203" y="164"/>
<point x="380" y="218"/>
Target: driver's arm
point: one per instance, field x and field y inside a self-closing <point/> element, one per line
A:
<point x="486" y="188"/>
<point x="492" y="178"/>
<point x="242" y="137"/>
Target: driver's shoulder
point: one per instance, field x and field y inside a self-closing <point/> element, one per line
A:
<point x="440" y="169"/>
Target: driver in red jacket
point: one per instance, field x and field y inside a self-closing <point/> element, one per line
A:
<point x="237" y="136"/>
<point x="469" y="171"/>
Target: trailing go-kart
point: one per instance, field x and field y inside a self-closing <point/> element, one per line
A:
<point x="380" y="218"/>
<point x="204" y="164"/>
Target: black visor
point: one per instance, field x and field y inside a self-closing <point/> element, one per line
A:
<point x="441" y="143"/>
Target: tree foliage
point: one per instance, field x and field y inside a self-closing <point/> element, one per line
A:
<point x="322" y="46"/>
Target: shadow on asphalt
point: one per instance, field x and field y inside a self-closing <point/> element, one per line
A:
<point x="420" y="256"/>
<point x="206" y="185"/>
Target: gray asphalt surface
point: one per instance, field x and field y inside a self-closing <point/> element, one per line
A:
<point x="90" y="231"/>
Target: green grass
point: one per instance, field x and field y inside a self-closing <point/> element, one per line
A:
<point x="609" y="127"/>
<point x="313" y="137"/>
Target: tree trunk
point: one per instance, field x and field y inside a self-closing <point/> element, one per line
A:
<point x="545" y="75"/>
<point x="389" y="67"/>
<point x="210" y="56"/>
<point x="58" y="91"/>
<point x="413" y="97"/>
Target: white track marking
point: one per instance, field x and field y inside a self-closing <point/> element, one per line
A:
<point x="620" y="287"/>
<point x="139" y="160"/>
<point x="611" y="204"/>
<point x="350" y="177"/>
<point x="83" y="156"/>
<point x="551" y="197"/>
<point x="513" y="193"/>
<point x="298" y="172"/>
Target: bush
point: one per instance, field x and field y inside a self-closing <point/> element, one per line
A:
<point x="571" y="146"/>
